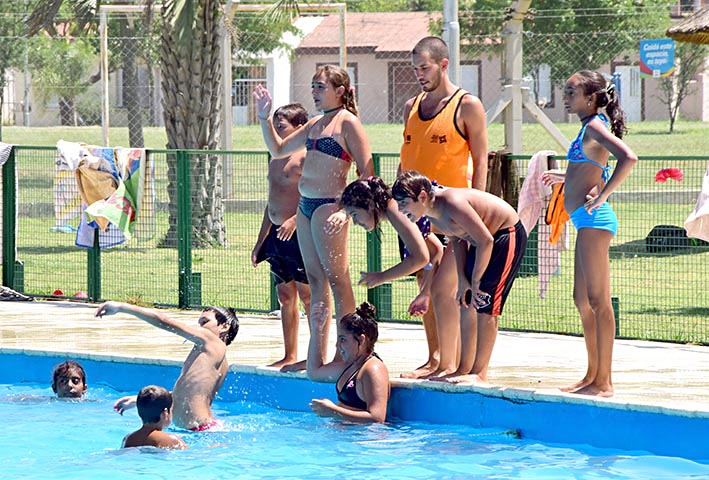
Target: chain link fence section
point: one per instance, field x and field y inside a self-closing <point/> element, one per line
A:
<point x="59" y="83"/>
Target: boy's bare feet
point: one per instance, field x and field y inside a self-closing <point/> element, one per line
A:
<point x="279" y="363"/>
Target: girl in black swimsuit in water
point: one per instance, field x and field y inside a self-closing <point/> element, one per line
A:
<point x="361" y="378"/>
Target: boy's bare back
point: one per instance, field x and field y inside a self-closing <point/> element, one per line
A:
<point x="468" y="213"/>
<point x="151" y="437"/>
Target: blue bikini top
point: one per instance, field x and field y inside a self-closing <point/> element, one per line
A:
<point x="576" y="154"/>
<point x="328" y="146"/>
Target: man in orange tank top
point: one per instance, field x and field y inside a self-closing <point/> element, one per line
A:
<point x="444" y="132"/>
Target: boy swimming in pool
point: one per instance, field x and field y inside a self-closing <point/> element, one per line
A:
<point x="155" y="410"/>
<point x="204" y="369"/>
<point x="69" y="380"/>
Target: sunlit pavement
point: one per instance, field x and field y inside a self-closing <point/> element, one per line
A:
<point x="645" y="373"/>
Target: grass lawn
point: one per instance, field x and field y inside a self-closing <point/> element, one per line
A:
<point x="646" y="138"/>
<point x="660" y="296"/>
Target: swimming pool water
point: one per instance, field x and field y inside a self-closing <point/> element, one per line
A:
<point x="44" y="438"/>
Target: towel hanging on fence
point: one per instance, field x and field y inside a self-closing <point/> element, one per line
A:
<point x="110" y="182"/>
<point x="533" y="199"/>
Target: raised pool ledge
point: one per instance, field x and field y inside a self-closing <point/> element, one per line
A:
<point x="545" y="415"/>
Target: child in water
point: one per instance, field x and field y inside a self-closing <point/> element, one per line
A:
<point x="155" y="410"/>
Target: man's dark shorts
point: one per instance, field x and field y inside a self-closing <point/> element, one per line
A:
<point x="284" y="257"/>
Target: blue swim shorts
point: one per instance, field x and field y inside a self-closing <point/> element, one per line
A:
<point x="603" y="218"/>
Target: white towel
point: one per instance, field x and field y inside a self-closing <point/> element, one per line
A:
<point x="697" y="224"/>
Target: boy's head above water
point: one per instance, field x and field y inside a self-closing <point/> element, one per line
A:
<point x="69" y="380"/>
<point x="155" y="405"/>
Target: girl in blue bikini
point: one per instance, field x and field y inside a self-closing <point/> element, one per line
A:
<point x="588" y="184"/>
<point x="333" y="140"/>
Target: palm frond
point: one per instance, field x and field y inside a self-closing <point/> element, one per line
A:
<point x="183" y="17"/>
<point x="284" y="9"/>
<point x="44" y="12"/>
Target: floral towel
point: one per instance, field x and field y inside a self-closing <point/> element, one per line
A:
<point x="109" y="183"/>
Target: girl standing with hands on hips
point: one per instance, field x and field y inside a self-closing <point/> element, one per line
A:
<point x="587" y="185"/>
<point x="333" y="140"/>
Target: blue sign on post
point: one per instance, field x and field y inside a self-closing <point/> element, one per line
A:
<point x="657" y="57"/>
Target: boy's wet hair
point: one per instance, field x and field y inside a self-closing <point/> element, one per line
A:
<point x="363" y="322"/>
<point x="434" y="46"/>
<point x="295" y="113"/>
<point x="152" y="401"/>
<point x="65" y="369"/>
<point x="371" y="195"/>
<point x="226" y="315"/>
<point x="410" y="184"/>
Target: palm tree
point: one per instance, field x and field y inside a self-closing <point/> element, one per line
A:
<point x="190" y="62"/>
<point x="191" y="86"/>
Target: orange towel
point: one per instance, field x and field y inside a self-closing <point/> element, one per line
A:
<point x="556" y="216"/>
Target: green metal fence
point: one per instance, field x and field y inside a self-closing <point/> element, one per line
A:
<point x="659" y="293"/>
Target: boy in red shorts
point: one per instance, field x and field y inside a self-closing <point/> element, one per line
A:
<point x="205" y="367"/>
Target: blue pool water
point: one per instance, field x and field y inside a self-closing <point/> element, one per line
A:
<point x="44" y="438"/>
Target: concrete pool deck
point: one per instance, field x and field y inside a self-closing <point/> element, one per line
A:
<point x="650" y="375"/>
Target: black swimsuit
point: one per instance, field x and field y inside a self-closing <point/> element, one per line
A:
<point x="348" y="394"/>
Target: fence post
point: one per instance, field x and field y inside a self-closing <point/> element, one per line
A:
<point x="9" y="220"/>
<point x="615" y="302"/>
<point x="93" y="273"/>
<point x="379" y="296"/>
<point x="184" y="229"/>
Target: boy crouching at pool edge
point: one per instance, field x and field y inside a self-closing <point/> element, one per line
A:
<point x="204" y="369"/>
<point x="155" y="410"/>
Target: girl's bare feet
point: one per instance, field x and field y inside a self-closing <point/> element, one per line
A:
<point x="604" y="391"/>
<point x="293" y="367"/>
<point x="576" y="386"/>
<point x="421" y="372"/>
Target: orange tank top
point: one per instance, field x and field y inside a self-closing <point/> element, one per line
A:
<point x="436" y="147"/>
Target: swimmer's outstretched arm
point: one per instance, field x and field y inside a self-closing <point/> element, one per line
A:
<point x="125" y="403"/>
<point x="196" y="335"/>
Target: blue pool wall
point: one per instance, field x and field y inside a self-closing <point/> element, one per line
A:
<point x="547" y="417"/>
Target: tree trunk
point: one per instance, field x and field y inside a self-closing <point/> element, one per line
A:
<point x="66" y="112"/>
<point x="191" y="87"/>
